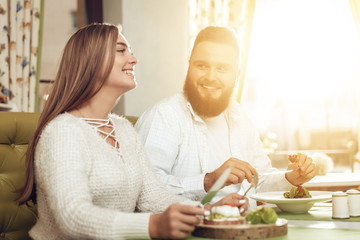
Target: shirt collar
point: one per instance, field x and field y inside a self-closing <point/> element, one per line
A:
<point x="234" y="111"/>
<point x="193" y="113"/>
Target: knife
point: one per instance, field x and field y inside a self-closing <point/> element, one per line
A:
<point x="216" y="187"/>
<point x="275" y="172"/>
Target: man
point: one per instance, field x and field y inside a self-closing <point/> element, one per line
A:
<point x="192" y="137"/>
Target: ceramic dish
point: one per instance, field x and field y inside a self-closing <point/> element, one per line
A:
<point x="292" y="205"/>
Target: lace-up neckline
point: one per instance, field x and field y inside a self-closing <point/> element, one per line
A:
<point x="97" y="124"/>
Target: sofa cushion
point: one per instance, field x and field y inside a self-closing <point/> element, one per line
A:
<point x="15" y="132"/>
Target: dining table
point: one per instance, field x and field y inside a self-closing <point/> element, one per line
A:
<point x="316" y="224"/>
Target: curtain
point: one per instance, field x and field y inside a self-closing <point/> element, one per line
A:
<point x="19" y="35"/>
<point x="236" y="14"/>
<point x="355" y="9"/>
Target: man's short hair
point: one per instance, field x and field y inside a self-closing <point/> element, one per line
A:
<point x="217" y="34"/>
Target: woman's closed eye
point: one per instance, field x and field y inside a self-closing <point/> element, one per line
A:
<point x="121" y="50"/>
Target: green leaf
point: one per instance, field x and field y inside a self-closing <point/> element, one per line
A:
<point x="261" y="215"/>
<point x="269" y="215"/>
<point x="208" y="197"/>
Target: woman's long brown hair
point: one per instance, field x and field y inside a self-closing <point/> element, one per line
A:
<point x="86" y="63"/>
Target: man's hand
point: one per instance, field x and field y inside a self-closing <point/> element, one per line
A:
<point x="178" y="221"/>
<point x="240" y="170"/>
<point x="304" y="170"/>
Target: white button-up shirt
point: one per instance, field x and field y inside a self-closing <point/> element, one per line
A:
<point x="175" y="140"/>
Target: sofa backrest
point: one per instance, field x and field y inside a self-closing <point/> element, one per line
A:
<point x="15" y="132"/>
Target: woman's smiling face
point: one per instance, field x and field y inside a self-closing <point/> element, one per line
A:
<point x="122" y="74"/>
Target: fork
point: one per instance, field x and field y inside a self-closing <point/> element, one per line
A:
<point x="254" y="183"/>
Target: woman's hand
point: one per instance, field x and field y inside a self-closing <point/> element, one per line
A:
<point x="178" y="221"/>
<point x="235" y="200"/>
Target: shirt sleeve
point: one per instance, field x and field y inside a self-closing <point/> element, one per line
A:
<point x="262" y="163"/>
<point x="161" y="134"/>
<point x="62" y="178"/>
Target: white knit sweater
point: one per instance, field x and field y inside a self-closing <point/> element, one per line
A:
<point x="87" y="190"/>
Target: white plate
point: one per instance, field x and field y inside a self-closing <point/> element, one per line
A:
<point x="292" y="205"/>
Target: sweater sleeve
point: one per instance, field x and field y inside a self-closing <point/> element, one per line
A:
<point x="61" y="170"/>
<point x="154" y="197"/>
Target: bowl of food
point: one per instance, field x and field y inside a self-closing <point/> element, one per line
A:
<point x="297" y="200"/>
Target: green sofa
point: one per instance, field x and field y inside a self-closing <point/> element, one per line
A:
<point x="15" y="132"/>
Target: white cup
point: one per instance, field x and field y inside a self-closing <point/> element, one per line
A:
<point x="340" y="207"/>
<point x="354" y="202"/>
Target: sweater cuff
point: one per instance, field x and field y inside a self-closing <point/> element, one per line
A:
<point x="132" y="225"/>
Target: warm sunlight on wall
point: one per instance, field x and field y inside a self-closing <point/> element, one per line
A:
<point x="303" y="72"/>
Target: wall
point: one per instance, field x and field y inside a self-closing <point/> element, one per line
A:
<point x="112" y="14"/>
<point x="58" y="27"/>
<point x="157" y="31"/>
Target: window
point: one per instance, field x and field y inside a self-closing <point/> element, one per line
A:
<point x="303" y="76"/>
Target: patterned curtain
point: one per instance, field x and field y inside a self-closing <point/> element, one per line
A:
<point x="19" y="33"/>
<point x="236" y="14"/>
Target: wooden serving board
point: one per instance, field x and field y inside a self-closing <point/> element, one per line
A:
<point x="242" y="231"/>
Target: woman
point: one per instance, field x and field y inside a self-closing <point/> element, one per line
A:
<point x="90" y="171"/>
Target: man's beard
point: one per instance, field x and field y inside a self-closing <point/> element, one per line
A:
<point x="206" y="106"/>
